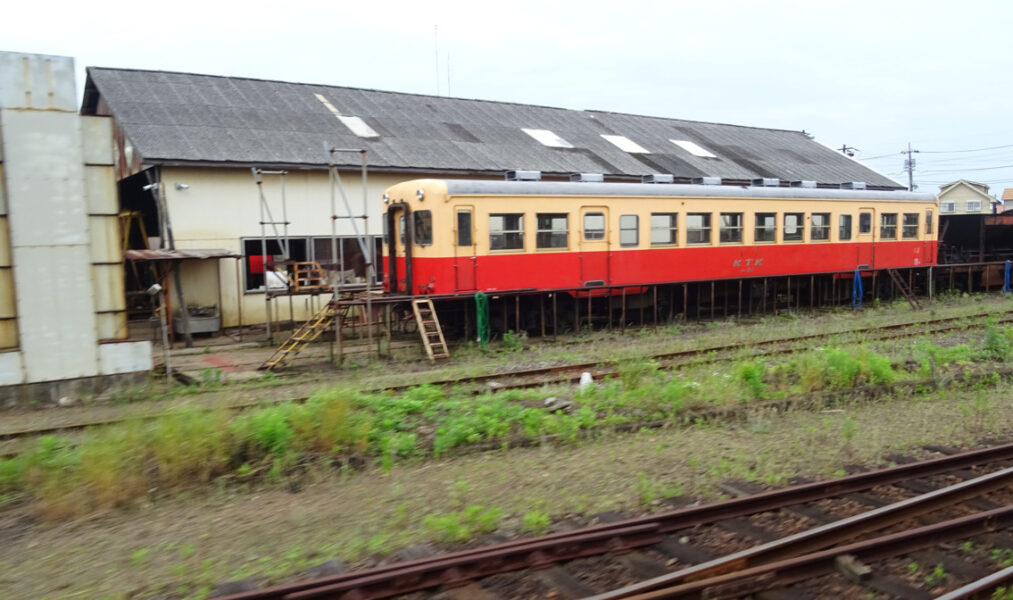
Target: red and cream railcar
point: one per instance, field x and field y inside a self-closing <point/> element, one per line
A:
<point x="458" y="236"/>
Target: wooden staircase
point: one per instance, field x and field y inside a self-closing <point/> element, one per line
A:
<point x="307" y="332"/>
<point x="429" y="329"/>
<point x="904" y="289"/>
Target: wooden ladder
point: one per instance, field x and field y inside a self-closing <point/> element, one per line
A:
<point x="429" y="329"/>
<point x="904" y="289"/>
<point x="307" y="332"/>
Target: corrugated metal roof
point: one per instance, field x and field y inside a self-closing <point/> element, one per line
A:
<point x="180" y="118"/>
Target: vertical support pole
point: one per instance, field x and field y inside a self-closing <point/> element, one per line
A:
<point x="713" y="301"/>
<point x="833" y="289"/>
<point x="387" y="327"/>
<point x="671" y="305"/>
<point x="517" y="314"/>
<point x="555" y="317"/>
<point x="239" y="300"/>
<point x="541" y="312"/>
<point x="654" y="303"/>
<point x="576" y="314"/>
<point x="789" y="294"/>
<point x="875" y="286"/>
<point x="932" y="283"/>
<point x="622" y="324"/>
<point x="970" y="280"/>
<point x="339" y="335"/>
<point x="590" y="324"/>
<point x="812" y="292"/>
<point x="951" y="276"/>
<point x="738" y="311"/>
<point x="685" y="302"/>
<point x="504" y="311"/>
<point x="764" y="309"/>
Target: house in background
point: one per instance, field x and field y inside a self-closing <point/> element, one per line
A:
<point x="1007" y="199"/>
<point x="963" y="197"/>
<point x="198" y="136"/>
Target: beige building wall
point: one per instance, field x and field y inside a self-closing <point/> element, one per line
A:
<point x="218" y="208"/>
<point x="960" y="195"/>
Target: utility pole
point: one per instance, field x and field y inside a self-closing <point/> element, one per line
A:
<point x="849" y="150"/>
<point x="909" y="165"/>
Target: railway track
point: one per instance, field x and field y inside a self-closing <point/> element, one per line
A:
<point x="565" y="374"/>
<point x="849" y="537"/>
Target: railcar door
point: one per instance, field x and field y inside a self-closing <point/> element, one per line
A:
<point x="465" y="259"/>
<point x="594" y="246"/>
<point x="399" y="256"/>
<point x="865" y="240"/>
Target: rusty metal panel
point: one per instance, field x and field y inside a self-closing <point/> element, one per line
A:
<point x="100" y="191"/>
<point x="97" y="140"/>
<point x="107" y="283"/>
<point x="37" y="81"/>
<point x="43" y="157"/>
<point x="5" y="243"/>
<point x="8" y="308"/>
<point x="12" y="371"/>
<point x="125" y="357"/>
<point x="106" y="245"/>
<point x="56" y="318"/>
<point x="111" y="326"/>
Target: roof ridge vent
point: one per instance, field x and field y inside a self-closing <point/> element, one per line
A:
<point x="853" y="185"/>
<point x="658" y="178"/>
<point x="523" y="175"/>
<point x="766" y="182"/>
<point x="587" y="177"/>
<point x="707" y="181"/>
<point x="802" y="184"/>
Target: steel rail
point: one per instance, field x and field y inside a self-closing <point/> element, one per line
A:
<point x="779" y="574"/>
<point x="557" y="547"/>
<point x="824" y="536"/>
<point x="981" y="586"/>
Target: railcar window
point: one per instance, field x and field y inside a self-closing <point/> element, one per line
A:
<point x="793" y="226"/>
<point x="552" y="230"/>
<point x="464" y="228"/>
<point x="698" y="228"/>
<point x="766" y="227"/>
<point x="819" y="226"/>
<point x="888" y="226"/>
<point x="594" y="226"/>
<point x="865" y="223"/>
<point x="506" y="231"/>
<point x="423" y="227"/>
<point x="928" y="222"/>
<point x="844" y="231"/>
<point x="401" y="227"/>
<point x="731" y="228"/>
<point x="910" y="229"/>
<point x="629" y="230"/>
<point x="664" y="226"/>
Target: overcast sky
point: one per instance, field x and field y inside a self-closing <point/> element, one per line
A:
<point x="874" y="75"/>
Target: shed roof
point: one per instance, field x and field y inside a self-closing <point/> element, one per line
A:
<point x="182" y="118"/>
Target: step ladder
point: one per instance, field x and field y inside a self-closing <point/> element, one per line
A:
<point x="903" y="287"/>
<point x="307" y="332"/>
<point x="429" y="329"/>
<point x="309" y="276"/>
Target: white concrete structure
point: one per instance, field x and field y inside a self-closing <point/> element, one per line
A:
<point x="62" y="310"/>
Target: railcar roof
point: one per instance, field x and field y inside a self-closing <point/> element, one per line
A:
<point x="208" y="120"/>
<point x="564" y="188"/>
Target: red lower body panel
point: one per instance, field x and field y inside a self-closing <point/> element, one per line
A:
<point x="559" y="270"/>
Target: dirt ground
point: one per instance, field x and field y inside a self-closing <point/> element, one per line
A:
<point x="181" y="546"/>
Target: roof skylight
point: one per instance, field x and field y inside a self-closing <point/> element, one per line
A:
<point x="624" y="143"/>
<point x="547" y="138"/>
<point x="694" y="148"/>
<point x="355" y="124"/>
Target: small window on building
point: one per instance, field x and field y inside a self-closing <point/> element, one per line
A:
<point x="864" y="223"/>
<point x="506" y="231"/>
<point x="552" y="231"/>
<point x="423" y="232"/>
<point x="664" y="227"/>
<point x="973" y="206"/>
<point x="947" y="207"/>
<point x="928" y="222"/>
<point x="401" y="227"/>
<point x="910" y="229"/>
<point x="629" y="230"/>
<point x="344" y="254"/>
<point x="731" y="228"/>
<point x="594" y="226"/>
<point x="819" y="226"/>
<point x="888" y="226"/>
<point x="464" y="228"/>
<point x="698" y="228"/>
<point x="844" y="229"/>
<point x="794" y="227"/>
<point x="269" y="255"/>
<point x="766" y="227"/>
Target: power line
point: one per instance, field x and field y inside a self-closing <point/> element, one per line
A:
<point x="961" y="151"/>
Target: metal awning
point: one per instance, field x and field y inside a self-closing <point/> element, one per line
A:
<point x="171" y="255"/>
